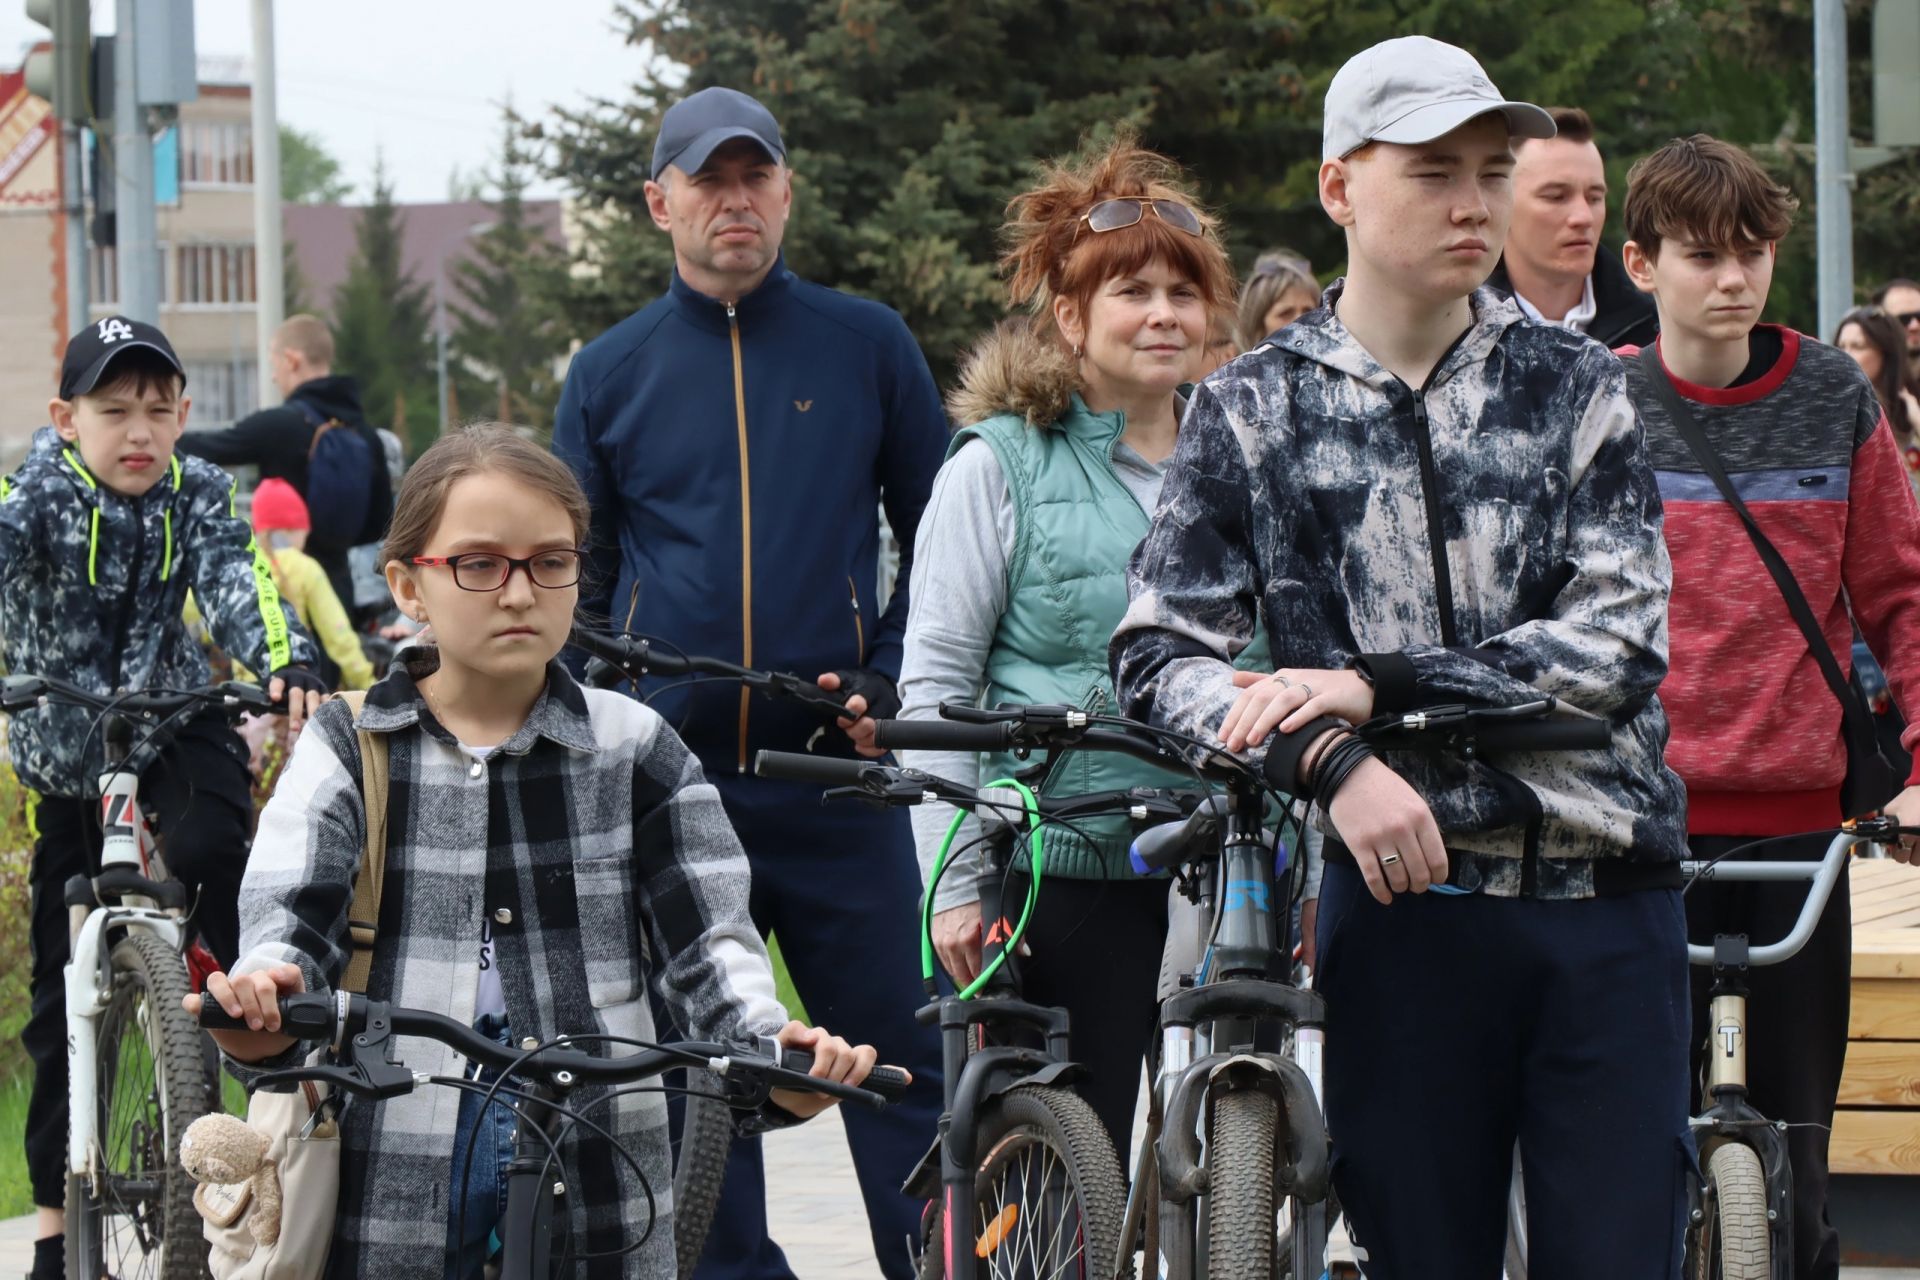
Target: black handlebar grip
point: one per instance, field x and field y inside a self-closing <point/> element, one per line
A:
<point x="825" y="770"/>
<point x="1545" y="735"/>
<point x="889" y="1082"/>
<point x="214" y="1018"/>
<point x="942" y="735"/>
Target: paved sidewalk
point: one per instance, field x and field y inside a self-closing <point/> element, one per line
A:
<point x="814" y="1211"/>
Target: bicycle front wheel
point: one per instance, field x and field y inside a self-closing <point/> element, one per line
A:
<point x="133" y="1215"/>
<point x="699" y="1166"/>
<point x="1241" y="1210"/>
<point x="1731" y="1241"/>
<point x="1048" y="1196"/>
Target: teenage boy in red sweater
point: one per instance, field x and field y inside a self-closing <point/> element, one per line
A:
<point x="1756" y="727"/>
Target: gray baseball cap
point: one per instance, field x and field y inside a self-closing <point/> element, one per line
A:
<point x="1413" y="90"/>
<point x="694" y="126"/>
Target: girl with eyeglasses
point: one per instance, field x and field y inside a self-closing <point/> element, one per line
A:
<point x="553" y="853"/>
<point x="1068" y="416"/>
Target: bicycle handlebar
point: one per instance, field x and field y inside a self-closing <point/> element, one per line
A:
<point x="233" y="697"/>
<point x="1825" y="874"/>
<point x="941" y="735"/>
<point x="1457" y="726"/>
<point x="346" y="1021"/>
<point x="619" y="656"/>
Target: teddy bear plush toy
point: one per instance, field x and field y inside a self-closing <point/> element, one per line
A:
<point x="222" y="1150"/>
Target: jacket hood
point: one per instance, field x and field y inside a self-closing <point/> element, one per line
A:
<point x="1320" y="337"/>
<point x="337" y="396"/>
<point x="1015" y="369"/>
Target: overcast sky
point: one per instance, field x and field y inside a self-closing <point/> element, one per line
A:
<point x="417" y="80"/>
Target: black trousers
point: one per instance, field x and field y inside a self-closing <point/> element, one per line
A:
<point x="1456" y="1024"/>
<point x="1096" y="953"/>
<point x="198" y="796"/>
<point x="1796" y="1021"/>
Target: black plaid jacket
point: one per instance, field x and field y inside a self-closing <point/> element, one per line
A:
<point x="601" y="854"/>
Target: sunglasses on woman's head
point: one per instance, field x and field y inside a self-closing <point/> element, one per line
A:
<point x="1126" y="211"/>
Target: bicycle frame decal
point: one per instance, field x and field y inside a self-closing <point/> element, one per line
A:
<point x="1241" y="894"/>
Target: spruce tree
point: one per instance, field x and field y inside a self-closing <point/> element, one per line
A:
<point x="504" y="300"/>
<point x="382" y="325"/>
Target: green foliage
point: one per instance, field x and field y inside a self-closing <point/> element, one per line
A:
<point x="309" y="174"/>
<point x="912" y="121"/>
<point x="507" y="299"/>
<point x="382" y="326"/>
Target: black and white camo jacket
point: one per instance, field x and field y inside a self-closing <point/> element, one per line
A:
<point x="1296" y="500"/>
<point x="93" y="588"/>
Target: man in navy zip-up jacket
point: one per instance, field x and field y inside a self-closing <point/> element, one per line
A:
<point x="737" y="439"/>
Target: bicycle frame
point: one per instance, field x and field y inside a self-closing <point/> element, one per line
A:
<point x="973" y="1079"/>
<point x="100" y="909"/>
<point x="1726" y="1115"/>
<point x="1210" y="1043"/>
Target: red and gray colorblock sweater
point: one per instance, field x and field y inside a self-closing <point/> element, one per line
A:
<point x="1756" y="731"/>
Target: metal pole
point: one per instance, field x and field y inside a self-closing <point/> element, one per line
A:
<point x="138" y="240"/>
<point x="73" y="198"/>
<point x="268" y="252"/>
<point x="1833" y="181"/>
<point x="440" y="344"/>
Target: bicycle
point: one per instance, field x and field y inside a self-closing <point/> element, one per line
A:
<point x="1015" y="1142"/>
<point x="1265" y="1160"/>
<point x="361" y="1065"/>
<point x="706" y="1127"/>
<point x="1740" y="1213"/>
<point x="137" y="1072"/>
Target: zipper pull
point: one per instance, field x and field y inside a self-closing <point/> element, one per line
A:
<point x="729" y="313"/>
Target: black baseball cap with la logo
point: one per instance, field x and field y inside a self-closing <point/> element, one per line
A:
<point x="94" y="348"/>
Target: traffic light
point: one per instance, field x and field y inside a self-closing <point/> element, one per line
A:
<point x="63" y="76"/>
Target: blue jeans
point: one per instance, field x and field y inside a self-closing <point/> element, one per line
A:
<point x="483" y="1191"/>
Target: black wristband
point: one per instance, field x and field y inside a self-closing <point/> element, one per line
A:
<point x="1335" y="765"/>
<point x="1284" y="750"/>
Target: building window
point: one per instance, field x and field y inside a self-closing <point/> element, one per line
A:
<point x="104" y="273"/>
<point x="216" y="275"/>
<point x="222" y="391"/>
<point x="216" y="153"/>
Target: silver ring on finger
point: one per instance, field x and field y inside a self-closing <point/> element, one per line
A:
<point x="1281" y="680"/>
<point x="1389" y="859"/>
<point x="1309" y="688"/>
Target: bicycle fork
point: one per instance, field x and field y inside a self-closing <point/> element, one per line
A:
<point x="1726" y="1115"/>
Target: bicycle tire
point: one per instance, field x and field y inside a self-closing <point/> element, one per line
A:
<point x="152" y="1084"/>
<point x="1732" y="1240"/>
<point x="699" y="1168"/>
<point x="1026" y="1119"/>
<point x="1243" y="1134"/>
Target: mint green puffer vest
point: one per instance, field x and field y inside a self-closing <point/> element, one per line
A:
<point x="1076" y="525"/>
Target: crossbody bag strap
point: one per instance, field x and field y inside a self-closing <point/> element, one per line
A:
<point x="1859" y="728"/>
<point x="363" y="914"/>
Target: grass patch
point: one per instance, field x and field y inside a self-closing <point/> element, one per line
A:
<point x="16" y="1192"/>
<point x="783" y="985"/>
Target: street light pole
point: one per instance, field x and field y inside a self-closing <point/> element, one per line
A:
<point x="268" y="251"/>
<point x="1833" y="178"/>
<point x="137" y="244"/>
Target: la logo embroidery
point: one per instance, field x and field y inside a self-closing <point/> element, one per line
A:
<point x="803" y="405"/>
<point x="113" y="330"/>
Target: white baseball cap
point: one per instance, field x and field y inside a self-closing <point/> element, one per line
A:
<point x="1413" y="90"/>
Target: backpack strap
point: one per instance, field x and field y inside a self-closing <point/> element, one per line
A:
<point x="363" y="915"/>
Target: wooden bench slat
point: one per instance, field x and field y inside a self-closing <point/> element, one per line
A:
<point x="1884" y="1009"/>
<point x="1875" y="1142"/>
<point x="1881" y="1073"/>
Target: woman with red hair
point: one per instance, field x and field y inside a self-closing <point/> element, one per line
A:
<point x="1067" y="417"/>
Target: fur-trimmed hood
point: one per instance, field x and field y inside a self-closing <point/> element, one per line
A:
<point x="1016" y="368"/>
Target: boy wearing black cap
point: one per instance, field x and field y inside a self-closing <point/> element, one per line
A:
<point x="103" y="531"/>
<point x="1425" y="500"/>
